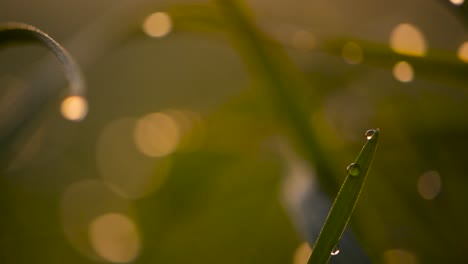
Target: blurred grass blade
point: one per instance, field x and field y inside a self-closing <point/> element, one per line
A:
<point x="196" y="17"/>
<point x="281" y="84"/>
<point x="345" y="202"/>
<point x="15" y="32"/>
<point x="437" y="65"/>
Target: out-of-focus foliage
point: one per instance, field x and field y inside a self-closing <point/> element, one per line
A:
<point x="259" y="127"/>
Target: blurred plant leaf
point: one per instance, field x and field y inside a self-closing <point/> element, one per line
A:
<point x="223" y="193"/>
<point x="211" y="203"/>
<point x="195" y="17"/>
<point x="437" y="65"/>
<point x="279" y="82"/>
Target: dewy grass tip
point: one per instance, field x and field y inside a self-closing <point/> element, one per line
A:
<point x="346" y="200"/>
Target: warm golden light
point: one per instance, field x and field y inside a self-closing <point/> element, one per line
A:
<point x="157" y="134"/>
<point x="429" y="185"/>
<point x="74" y="108"/>
<point x="457" y="2"/>
<point x="407" y="39"/>
<point x="399" y="256"/>
<point x="191" y="128"/>
<point x="304" y="40"/>
<point x="463" y="52"/>
<point x="352" y="53"/>
<point x="82" y="202"/>
<point x="115" y="238"/>
<point x="122" y="165"/>
<point x="403" y="72"/>
<point x="302" y="254"/>
<point x="157" y="25"/>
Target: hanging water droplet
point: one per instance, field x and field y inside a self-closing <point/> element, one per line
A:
<point x="353" y="169"/>
<point x="336" y="250"/>
<point x="369" y="134"/>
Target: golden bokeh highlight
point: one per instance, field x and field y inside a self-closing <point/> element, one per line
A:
<point x="303" y="40"/>
<point x="157" y="25"/>
<point x="191" y="128"/>
<point x="462" y="52"/>
<point x="403" y="72"/>
<point x="74" y="108"/>
<point x="352" y="53"/>
<point x="157" y="134"/>
<point x="407" y="39"/>
<point x="123" y="166"/>
<point x="399" y="256"/>
<point x="82" y="202"/>
<point x="429" y="185"/>
<point x="457" y="2"/>
<point x="115" y="238"/>
<point x="302" y="254"/>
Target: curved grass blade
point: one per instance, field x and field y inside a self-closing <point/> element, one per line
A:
<point x="15" y="32"/>
<point x="15" y="123"/>
<point x="345" y="202"/>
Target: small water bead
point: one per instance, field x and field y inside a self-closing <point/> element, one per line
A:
<point x="336" y="250"/>
<point x="369" y="134"/>
<point x="353" y="169"/>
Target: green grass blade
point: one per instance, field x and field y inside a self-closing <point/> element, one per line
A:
<point x="281" y="85"/>
<point x="344" y="203"/>
<point x="15" y="32"/>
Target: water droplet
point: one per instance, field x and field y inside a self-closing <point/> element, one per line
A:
<point x="336" y="250"/>
<point x="353" y="169"/>
<point x="369" y="134"/>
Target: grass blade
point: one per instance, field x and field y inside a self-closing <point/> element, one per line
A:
<point x="437" y="65"/>
<point x="15" y="32"/>
<point x="281" y="85"/>
<point x="345" y="202"/>
<point x="20" y="119"/>
<point x="196" y="17"/>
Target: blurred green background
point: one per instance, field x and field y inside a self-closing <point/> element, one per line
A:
<point x="206" y="137"/>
